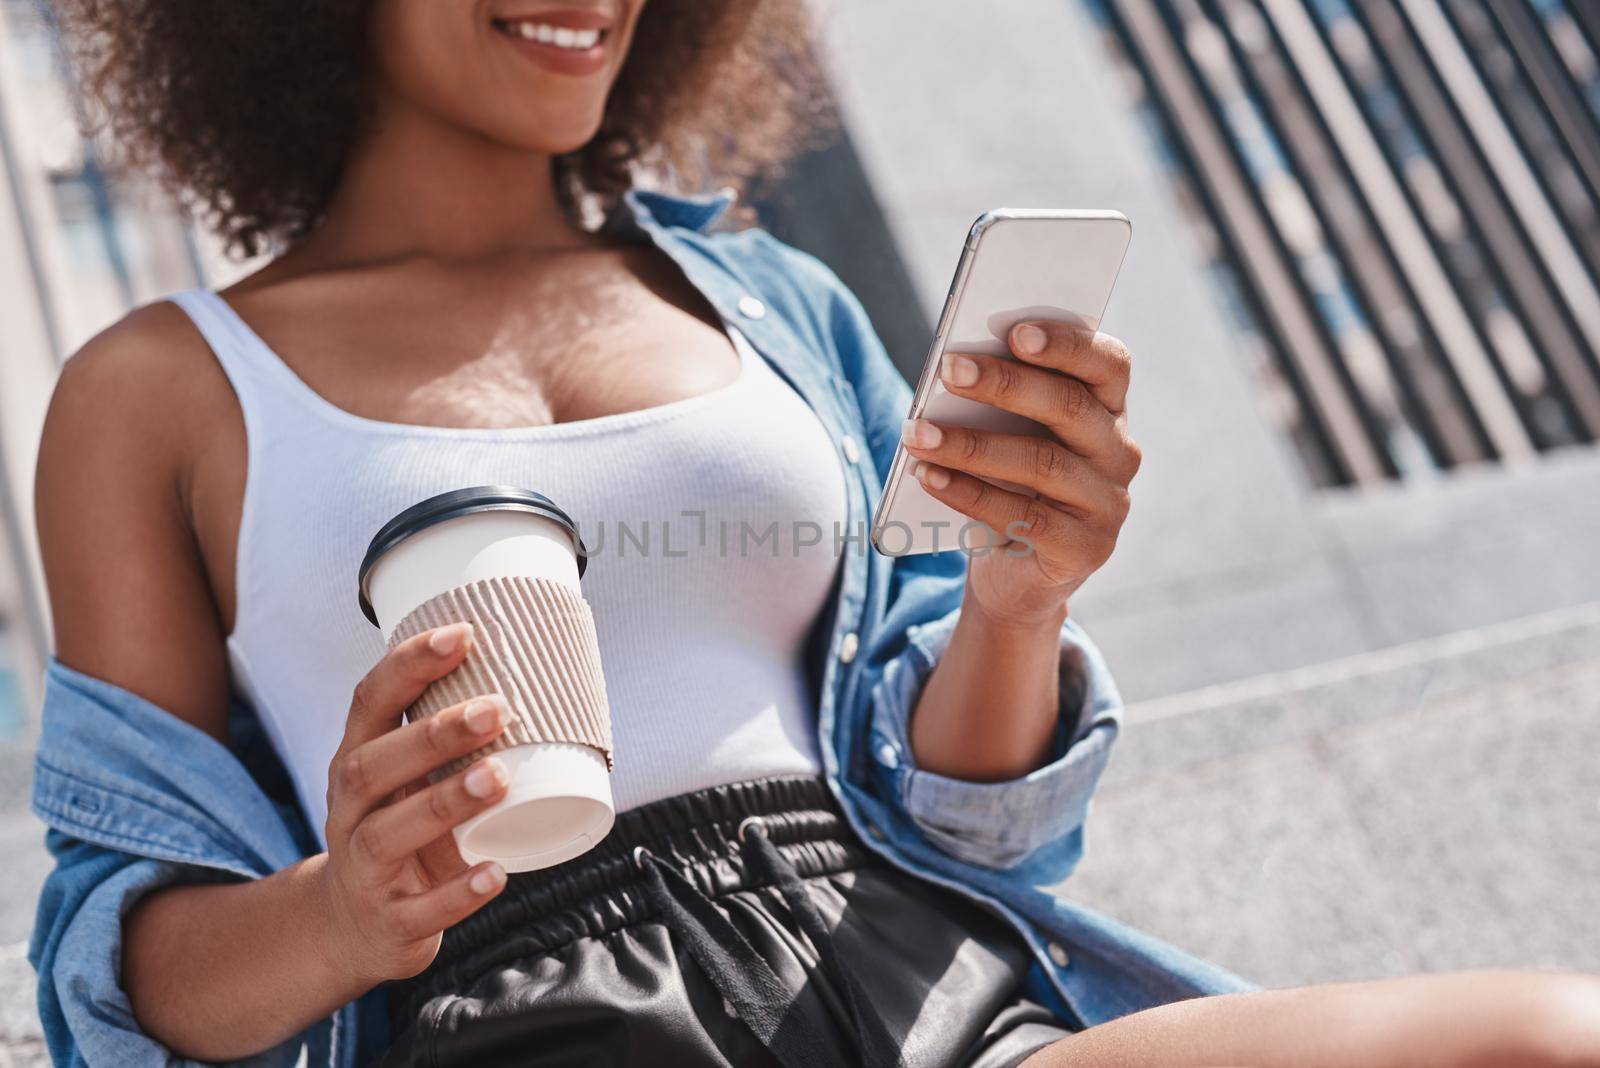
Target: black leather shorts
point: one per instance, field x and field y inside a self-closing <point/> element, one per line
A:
<point x="742" y="925"/>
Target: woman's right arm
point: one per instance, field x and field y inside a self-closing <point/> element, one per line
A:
<point x="221" y="971"/>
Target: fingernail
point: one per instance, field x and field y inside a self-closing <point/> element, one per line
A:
<point x="486" y="778"/>
<point x="921" y="434"/>
<point x="934" y="477"/>
<point x="447" y="640"/>
<point x="486" y="878"/>
<point x="483" y="715"/>
<point x="1028" y="339"/>
<point x="959" y="371"/>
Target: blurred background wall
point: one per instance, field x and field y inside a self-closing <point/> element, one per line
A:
<point x="1356" y="610"/>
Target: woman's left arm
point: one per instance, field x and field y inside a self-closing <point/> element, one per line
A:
<point x="991" y="707"/>
<point x="1045" y="685"/>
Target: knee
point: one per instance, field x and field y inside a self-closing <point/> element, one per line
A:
<point x="1547" y="1021"/>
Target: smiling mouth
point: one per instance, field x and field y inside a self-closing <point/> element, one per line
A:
<point x="566" y="37"/>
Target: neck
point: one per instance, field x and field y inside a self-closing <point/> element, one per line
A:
<point x="417" y="185"/>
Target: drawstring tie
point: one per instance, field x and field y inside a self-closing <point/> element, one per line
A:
<point x="743" y="977"/>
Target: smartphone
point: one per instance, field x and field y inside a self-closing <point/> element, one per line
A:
<point x="1017" y="264"/>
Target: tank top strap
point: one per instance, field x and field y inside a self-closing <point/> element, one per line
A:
<point x="252" y="368"/>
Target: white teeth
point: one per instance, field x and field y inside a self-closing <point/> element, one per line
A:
<point x="560" y="36"/>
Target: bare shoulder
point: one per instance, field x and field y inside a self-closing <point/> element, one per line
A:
<point x="123" y="418"/>
<point x="151" y="358"/>
<point x="128" y="593"/>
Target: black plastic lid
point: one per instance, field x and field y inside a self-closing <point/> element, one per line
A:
<point x="453" y="505"/>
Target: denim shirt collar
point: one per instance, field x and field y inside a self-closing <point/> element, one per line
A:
<point x="698" y="212"/>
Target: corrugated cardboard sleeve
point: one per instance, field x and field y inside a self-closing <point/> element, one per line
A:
<point x="534" y="642"/>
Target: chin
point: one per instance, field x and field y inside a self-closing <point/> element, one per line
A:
<point x="554" y="135"/>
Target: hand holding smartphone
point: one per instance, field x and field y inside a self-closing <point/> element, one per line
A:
<point x="1017" y="265"/>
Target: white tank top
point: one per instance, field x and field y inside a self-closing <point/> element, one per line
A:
<point x="697" y="513"/>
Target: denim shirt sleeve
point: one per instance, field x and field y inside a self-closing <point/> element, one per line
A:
<point x="1000" y="824"/>
<point x="990" y="824"/>
<point x="135" y="799"/>
<point x="76" y="940"/>
<point x="87" y="1017"/>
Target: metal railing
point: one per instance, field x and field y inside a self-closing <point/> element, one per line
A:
<point x="1404" y="196"/>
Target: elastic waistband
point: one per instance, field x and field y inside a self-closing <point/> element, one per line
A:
<point x="601" y="891"/>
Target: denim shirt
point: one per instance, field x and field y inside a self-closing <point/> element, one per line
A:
<point x="134" y="798"/>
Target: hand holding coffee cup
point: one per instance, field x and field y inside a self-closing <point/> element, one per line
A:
<point x="509" y="562"/>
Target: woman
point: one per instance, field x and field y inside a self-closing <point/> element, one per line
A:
<point x="842" y="781"/>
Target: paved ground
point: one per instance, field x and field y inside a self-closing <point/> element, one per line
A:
<point x="1432" y="806"/>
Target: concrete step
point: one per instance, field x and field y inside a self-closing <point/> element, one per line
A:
<point x="21" y="1039"/>
<point x="1432" y="806"/>
<point x="27" y="864"/>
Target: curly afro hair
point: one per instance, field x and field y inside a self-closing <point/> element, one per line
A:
<point x="248" y="111"/>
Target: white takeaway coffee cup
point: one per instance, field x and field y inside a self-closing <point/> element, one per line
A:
<point x="508" y="560"/>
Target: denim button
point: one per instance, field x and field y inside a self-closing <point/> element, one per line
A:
<point x="1058" y="954"/>
<point x="751" y="308"/>
<point x="887" y="756"/>
<point x="848" y="647"/>
<point x="873" y="832"/>
<point x="852" y="452"/>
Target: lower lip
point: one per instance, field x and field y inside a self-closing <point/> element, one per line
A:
<point x="558" y="60"/>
